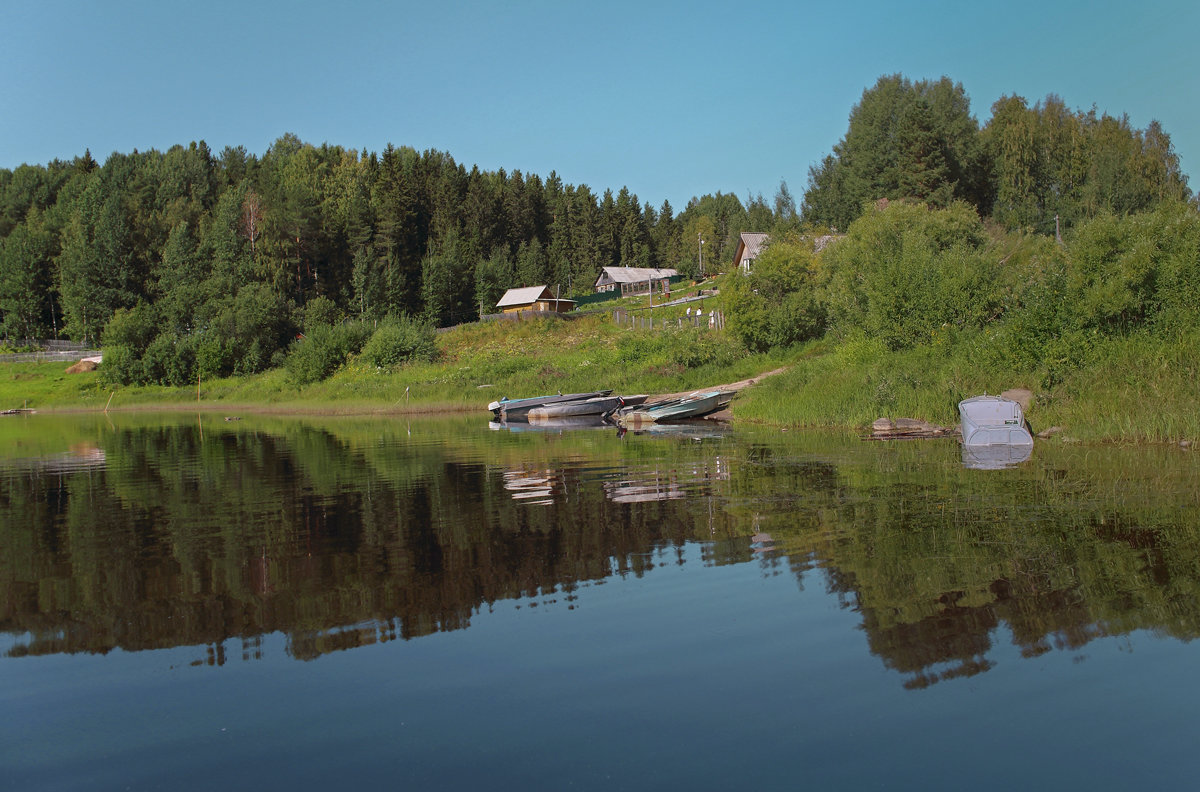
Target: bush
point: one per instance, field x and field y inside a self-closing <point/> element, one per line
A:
<point x="906" y="271"/>
<point x="321" y="311"/>
<point x="398" y="341"/>
<point x="320" y="353"/>
<point x="695" y="347"/>
<point x="776" y="304"/>
<point x="121" y="365"/>
<point x="1138" y="271"/>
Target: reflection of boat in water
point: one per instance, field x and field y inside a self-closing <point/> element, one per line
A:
<point x="643" y="486"/>
<point x="600" y="405"/>
<point x="995" y="457"/>
<point x="643" y="492"/>
<point x="553" y="424"/>
<point x="694" y="405"/>
<point x="693" y="429"/>
<point x="517" y="408"/>
<point x="536" y="487"/>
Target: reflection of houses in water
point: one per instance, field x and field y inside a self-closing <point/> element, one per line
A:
<point x="542" y="487"/>
<point x="640" y="486"/>
<point x="656" y="489"/>
<point x="79" y="458"/>
<point x="536" y="487"/>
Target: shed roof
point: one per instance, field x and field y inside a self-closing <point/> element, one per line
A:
<point x="525" y="295"/>
<point x="637" y="274"/>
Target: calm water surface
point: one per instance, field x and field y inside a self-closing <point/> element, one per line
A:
<point x="195" y="603"/>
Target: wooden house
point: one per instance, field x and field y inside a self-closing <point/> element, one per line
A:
<point x="634" y="280"/>
<point x="533" y="298"/>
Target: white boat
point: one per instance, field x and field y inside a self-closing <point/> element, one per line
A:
<point x="993" y="421"/>
<point x="600" y="405"/>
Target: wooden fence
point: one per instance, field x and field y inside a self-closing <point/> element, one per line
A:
<point x="645" y="319"/>
<point x="48" y="351"/>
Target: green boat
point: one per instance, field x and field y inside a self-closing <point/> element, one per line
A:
<point x="694" y="405"/>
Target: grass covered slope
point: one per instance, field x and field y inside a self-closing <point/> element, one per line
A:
<point x="1139" y="388"/>
<point x="475" y="364"/>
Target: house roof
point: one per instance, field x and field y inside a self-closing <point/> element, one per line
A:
<point x="636" y="274"/>
<point x="753" y="242"/>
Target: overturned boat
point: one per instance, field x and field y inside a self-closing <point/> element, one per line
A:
<point x="993" y="421"/>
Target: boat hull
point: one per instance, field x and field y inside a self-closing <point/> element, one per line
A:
<point x="696" y="405"/>
<point x="508" y="409"/>
<point x="993" y="421"/>
<point x="601" y="405"/>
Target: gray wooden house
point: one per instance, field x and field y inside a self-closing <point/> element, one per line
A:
<point x="635" y="280"/>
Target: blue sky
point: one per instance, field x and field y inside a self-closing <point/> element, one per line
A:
<point x="671" y="99"/>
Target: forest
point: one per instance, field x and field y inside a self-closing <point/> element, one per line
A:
<point x="189" y="262"/>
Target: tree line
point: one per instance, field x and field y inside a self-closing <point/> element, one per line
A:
<point x="230" y="256"/>
<point x="1042" y="167"/>
<point x="189" y="263"/>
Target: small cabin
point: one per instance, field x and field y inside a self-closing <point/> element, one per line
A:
<point x="533" y="298"/>
<point x="635" y="280"/>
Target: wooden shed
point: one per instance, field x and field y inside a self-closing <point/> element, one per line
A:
<point x="533" y="298"/>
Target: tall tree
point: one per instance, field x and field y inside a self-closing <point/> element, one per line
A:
<point x="899" y="125"/>
<point x="26" y="253"/>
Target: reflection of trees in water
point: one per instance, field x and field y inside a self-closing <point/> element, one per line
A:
<point x="337" y="542"/>
<point x="936" y="566"/>
<point x="193" y="541"/>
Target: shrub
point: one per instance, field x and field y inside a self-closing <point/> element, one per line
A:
<point x="320" y="353"/>
<point x="321" y="311"/>
<point x="695" y="347"/>
<point x="777" y="303"/>
<point x="905" y="271"/>
<point x="400" y="340"/>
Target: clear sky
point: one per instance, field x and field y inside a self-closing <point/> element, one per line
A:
<point x="671" y="99"/>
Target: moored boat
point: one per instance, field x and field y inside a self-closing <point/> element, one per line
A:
<point x="694" y="405"/>
<point x="519" y="408"/>
<point x="599" y="405"/>
<point x="993" y="420"/>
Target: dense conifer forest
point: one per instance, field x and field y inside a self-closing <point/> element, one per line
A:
<point x="189" y="261"/>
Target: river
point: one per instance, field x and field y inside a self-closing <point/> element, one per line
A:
<point x="214" y="601"/>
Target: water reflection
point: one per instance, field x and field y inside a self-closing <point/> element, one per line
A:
<point x="995" y="457"/>
<point x="569" y="423"/>
<point x="348" y="534"/>
<point x="82" y="456"/>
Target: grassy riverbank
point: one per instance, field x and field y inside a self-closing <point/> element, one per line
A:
<point x="1134" y="389"/>
<point x="477" y="363"/>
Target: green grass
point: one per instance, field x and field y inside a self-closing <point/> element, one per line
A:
<point x="1138" y="389"/>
